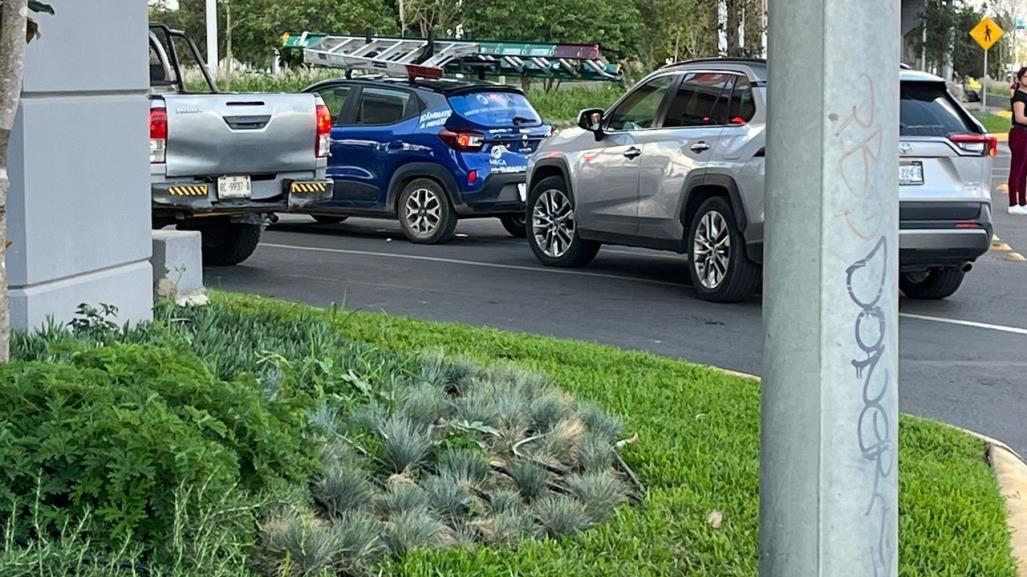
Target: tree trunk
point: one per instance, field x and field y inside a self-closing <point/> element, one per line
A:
<point x="734" y="21"/>
<point x="754" y="27"/>
<point x="12" y="62"/>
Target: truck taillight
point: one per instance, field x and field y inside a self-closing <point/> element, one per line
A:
<point x="324" y="131"/>
<point x="463" y="141"/>
<point x="985" y="144"/>
<point x="158" y="135"/>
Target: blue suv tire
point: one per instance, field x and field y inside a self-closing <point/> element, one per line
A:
<point x="425" y="212"/>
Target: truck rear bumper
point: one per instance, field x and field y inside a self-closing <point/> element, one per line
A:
<point x="187" y="197"/>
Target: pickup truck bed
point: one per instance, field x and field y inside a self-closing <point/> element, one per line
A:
<point x="224" y="163"/>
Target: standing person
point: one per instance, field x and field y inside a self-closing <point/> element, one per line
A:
<point x="1018" y="146"/>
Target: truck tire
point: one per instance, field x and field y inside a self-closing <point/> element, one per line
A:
<point x="718" y="265"/>
<point x="425" y="214"/>
<point x="935" y="284"/>
<point x="228" y="243"/>
<point x="515" y="225"/>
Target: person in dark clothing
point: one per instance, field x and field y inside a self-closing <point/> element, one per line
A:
<point x="1018" y="145"/>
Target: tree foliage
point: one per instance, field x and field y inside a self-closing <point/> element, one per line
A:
<point x="257" y="25"/>
<point x="948" y="25"/>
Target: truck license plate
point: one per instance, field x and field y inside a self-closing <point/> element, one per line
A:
<point x="522" y="191"/>
<point x="234" y="187"/>
<point x="911" y="173"/>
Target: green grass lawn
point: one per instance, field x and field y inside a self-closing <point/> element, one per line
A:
<point x="992" y="122"/>
<point x="697" y="451"/>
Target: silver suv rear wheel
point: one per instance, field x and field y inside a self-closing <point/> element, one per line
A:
<point x="711" y="249"/>
<point x="717" y="263"/>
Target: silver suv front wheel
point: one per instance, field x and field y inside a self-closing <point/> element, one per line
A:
<point x="717" y="263"/>
<point x="554" y="235"/>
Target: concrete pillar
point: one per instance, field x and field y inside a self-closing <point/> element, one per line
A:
<point x="79" y="206"/>
<point x="829" y="435"/>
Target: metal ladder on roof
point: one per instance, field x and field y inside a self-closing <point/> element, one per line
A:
<point x="392" y="56"/>
<point x="430" y="57"/>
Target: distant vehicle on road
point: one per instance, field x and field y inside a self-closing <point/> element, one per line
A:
<point x="224" y="163"/>
<point x="427" y="152"/>
<point x="678" y="164"/>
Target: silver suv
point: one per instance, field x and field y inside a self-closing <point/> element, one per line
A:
<point x="678" y="164"/>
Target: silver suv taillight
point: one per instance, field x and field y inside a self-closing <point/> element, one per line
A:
<point x="983" y="144"/>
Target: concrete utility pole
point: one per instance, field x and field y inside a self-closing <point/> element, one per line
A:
<point x="212" y="36"/>
<point x="828" y="453"/>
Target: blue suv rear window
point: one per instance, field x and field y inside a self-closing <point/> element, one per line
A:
<point x="495" y="109"/>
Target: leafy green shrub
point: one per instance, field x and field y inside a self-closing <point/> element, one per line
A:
<point x="376" y="453"/>
<point x="120" y="428"/>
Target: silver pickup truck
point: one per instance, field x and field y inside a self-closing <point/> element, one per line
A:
<point x="224" y="163"/>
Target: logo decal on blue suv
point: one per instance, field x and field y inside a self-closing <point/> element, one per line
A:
<point x="434" y="118"/>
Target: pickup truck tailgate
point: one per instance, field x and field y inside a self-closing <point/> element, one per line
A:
<point x="244" y="134"/>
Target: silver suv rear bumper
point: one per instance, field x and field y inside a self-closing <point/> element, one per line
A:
<point x="943" y="236"/>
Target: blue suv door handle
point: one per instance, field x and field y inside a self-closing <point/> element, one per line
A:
<point x="700" y="146"/>
<point x="632" y="152"/>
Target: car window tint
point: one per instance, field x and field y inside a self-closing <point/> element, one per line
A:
<point x="743" y="106"/>
<point x="382" y="106"/>
<point x="493" y="108"/>
<point x="335" y="99"/>
<point x="927" y="109"/>
<point x="640" y="109"/>
<point x="702" y="100"/>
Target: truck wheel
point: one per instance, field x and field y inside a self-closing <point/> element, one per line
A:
<point x="425" y="213"/>
<point x="515" y="225"/>
<point x="934" y="284"/>
<point x="325" y="219"/>
<point x="554" y="234"/>
<point x="717" y="263"/>
<point x="228" y="243"/>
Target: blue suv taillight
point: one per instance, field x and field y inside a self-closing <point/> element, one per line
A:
<point x="464" y="141"/>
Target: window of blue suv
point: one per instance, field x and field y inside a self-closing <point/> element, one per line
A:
<point x="495" y="109"/>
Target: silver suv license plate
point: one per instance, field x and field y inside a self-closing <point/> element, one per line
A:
<point x="911" y="173"/>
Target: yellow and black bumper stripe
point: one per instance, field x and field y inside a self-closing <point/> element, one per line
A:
<point x="187" y="190"/>
<point x="308" y="187"/>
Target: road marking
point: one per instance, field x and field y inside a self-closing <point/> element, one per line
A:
<point x="1000" y="328"/>
<point x="973" y="324"/>
<point x="472" y="263"/>
<point x="1015" y="257"/>
<point x="1003" y="188"/>
<point x="1001" y="246"/>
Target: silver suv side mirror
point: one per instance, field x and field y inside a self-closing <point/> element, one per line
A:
<point x="591" y="119"/>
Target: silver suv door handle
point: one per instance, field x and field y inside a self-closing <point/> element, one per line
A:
<point x="632" y="152"/>
<point x="700" y="146"/>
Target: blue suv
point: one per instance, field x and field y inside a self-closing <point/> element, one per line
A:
<point x="428" y="152"/>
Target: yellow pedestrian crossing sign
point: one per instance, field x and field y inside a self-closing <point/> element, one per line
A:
<point x="987" y="33"/>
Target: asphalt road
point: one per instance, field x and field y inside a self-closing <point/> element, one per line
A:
<point x="963" y="361"/>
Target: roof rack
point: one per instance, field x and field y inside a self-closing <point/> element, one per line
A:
<point x="720" y="60"/>
<point x="431" y="57"/>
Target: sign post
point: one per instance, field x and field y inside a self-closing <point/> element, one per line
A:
<point x="986" y="34"/>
